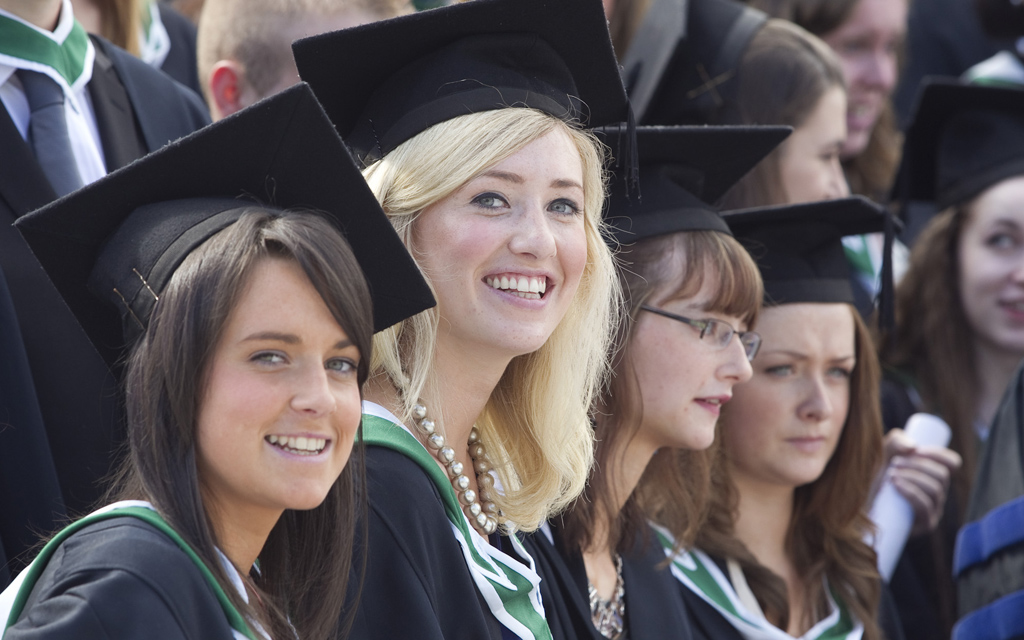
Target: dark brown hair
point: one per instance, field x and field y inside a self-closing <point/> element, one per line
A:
<point x="782" y="78"/>
<point x="305" y="564"/>
<point x="674" y="483"/>
<point x="624" y="21"/>
<point x="933" y="347"/>
<point x="826" y="534"/>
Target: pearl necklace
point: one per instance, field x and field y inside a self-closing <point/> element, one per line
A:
<point x="480" y="510"/>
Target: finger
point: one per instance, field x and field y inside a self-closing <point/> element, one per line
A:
<point x="927" y="466"/>
<point x="931" y="491"/>
<point x="946" y="457"/>
<point x="927" y="513"/>
<point x="897" y="442"/>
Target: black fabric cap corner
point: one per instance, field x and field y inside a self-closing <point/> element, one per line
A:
<point x="384" y="82"/>
<point x="699" y="80"/>
<point x="962" y="140"/>
<point x="799" y="248"/>
<point x="132" y="228"/>
<point x="683" y="172"/>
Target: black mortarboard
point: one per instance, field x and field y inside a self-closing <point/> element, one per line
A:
<point x="385" y="82"/>
<point x="799" y="248"/>
<point x="683" y="172"/>
<point x="131" y="229"/>
<point x="697" y="80"/>
<point x="962" y="140"/>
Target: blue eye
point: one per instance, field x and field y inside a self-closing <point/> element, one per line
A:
<point x="490" y="201"/>
<point x="779" y="371"/>
<point x="1001" y="241"/>
<point x="268" y="357"/>
<point x="341" y="365"/>
<point x="566" y="206"/>
<point x="840" y="372"/>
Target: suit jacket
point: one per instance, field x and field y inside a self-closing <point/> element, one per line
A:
<point x="138" y="109"/>
<point x="181" y="63"/>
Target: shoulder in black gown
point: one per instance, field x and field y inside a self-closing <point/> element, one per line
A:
<point x="417" y="584"/>
<point x="118" y="579"/>
<point x="654" y="608"/>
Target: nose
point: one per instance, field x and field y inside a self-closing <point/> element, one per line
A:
<point x="313" y="395"/>
<point x="532" y="234"/>
<point x="736" y="366"/>
<point x="816" y="406"/>
<point x="880" y="70"/>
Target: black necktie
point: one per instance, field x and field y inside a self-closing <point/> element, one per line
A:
<point x="48" y="131"/>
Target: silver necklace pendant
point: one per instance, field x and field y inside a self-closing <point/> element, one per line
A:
<point x="609" y="616"/>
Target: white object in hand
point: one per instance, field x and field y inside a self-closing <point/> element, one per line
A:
<point x="891" y="513"/>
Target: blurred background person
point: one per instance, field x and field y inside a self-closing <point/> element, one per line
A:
<point x="245" y="45"/>
<point x="149" y="29"/>
<point x="959" y="332"/>
<point x="867" y="36"/>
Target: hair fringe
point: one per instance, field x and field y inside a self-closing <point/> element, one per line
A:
<point x="672" y="487"/>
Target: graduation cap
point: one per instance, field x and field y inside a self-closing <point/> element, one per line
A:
<point x="112" y="246"/>
<point x="799" y="248"/>
<point x="685" y="70"/>
<point x="385" y="82"/>
<point x="962" y="140"/>
<point x="683" y="172"/>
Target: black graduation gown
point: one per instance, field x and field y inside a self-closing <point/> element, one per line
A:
<point x="417" y="584"/>
<point x="654" y="609"/>
<point x="709" y="624"/>
<point x="25" y="459"/>
<point x="117" y="579"/>
<point x="922" y="583"/>
<point x="138" y="109"/>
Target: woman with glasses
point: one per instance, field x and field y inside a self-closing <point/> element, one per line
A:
<point x="782" y="552"/>
<point x="692" y="292"/>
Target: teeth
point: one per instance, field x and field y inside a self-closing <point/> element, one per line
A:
<point x="300" y="444"/>
<point x="713" y="401"/>
<point x="532" y="288"/>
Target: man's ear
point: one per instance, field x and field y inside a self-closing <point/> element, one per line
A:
<point x="227" y="89"/>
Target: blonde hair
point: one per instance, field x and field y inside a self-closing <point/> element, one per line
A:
<point x="250" y="32"/>
<point x="535" y="424"/>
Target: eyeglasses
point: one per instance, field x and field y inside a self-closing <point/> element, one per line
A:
<point x="718" y="331"/>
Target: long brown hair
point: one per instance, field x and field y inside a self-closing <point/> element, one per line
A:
<point x="933" y="347"/>
<point x="119" y="22"/>
<point x="781" y="79"/>
<point x="872" y="171"/>
<point x="305" y="564"/>
<point x="825" y="538"/>
<point x="674" y="485"/>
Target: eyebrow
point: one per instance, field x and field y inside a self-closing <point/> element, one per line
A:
<point x="288" y="338"/>
<point x="803" y="356"/>
<point x="503" y="175"/>
<point x="515" y="178"/>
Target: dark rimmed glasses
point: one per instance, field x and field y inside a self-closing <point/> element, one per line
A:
<point x="719" y="332"/>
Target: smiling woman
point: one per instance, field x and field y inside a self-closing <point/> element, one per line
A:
<point x="959" y="332"/>
<point x="470" y="120"/>
<point x="243" y="331"/>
